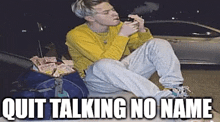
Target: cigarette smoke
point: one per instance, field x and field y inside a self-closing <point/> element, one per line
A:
<point x="149" y="7"/>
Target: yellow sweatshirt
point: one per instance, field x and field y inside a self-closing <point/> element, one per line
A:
<point x="86" y="47"/>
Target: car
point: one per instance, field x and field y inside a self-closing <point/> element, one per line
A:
<point x="193" y="43"/>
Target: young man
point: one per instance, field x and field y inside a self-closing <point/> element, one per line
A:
<point x="101" y="52"/>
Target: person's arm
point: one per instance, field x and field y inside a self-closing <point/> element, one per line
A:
<point x="91" y="48"/>
<point x="139" y="38"/>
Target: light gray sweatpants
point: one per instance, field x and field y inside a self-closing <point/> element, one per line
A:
<point x="133" y="72"/>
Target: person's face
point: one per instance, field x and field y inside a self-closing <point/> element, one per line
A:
<point x="106" y="14"/>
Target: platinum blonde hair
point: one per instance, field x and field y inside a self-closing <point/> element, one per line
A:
<point x="84" y="8"/>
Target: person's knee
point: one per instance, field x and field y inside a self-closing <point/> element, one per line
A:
<point x="105" y="64"/>
<point x="160" y="43"/>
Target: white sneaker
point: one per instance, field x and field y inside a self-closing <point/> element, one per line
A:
<point x="180" y="91"/>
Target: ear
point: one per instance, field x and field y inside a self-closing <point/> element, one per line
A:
<point x="89" y="18"/>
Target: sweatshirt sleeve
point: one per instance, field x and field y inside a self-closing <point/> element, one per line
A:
<point x="91" y="49"/>
<point x="139" y="38"/>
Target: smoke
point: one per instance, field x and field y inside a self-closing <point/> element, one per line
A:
<point x="149" y="7"/>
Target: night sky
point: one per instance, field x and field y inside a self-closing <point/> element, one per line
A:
<point x="204" y="12"/>
<point x="192" y="10"/>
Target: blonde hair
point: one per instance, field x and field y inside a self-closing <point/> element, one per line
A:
<point x="84" y="8"/>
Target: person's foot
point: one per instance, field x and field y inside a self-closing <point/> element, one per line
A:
<point x="180" y="91"/>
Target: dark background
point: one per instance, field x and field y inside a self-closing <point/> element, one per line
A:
<point x="57" y="19"/>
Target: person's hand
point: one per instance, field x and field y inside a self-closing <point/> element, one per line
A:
<point x="140" y="21"/>
<point x="128" y="28"/>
